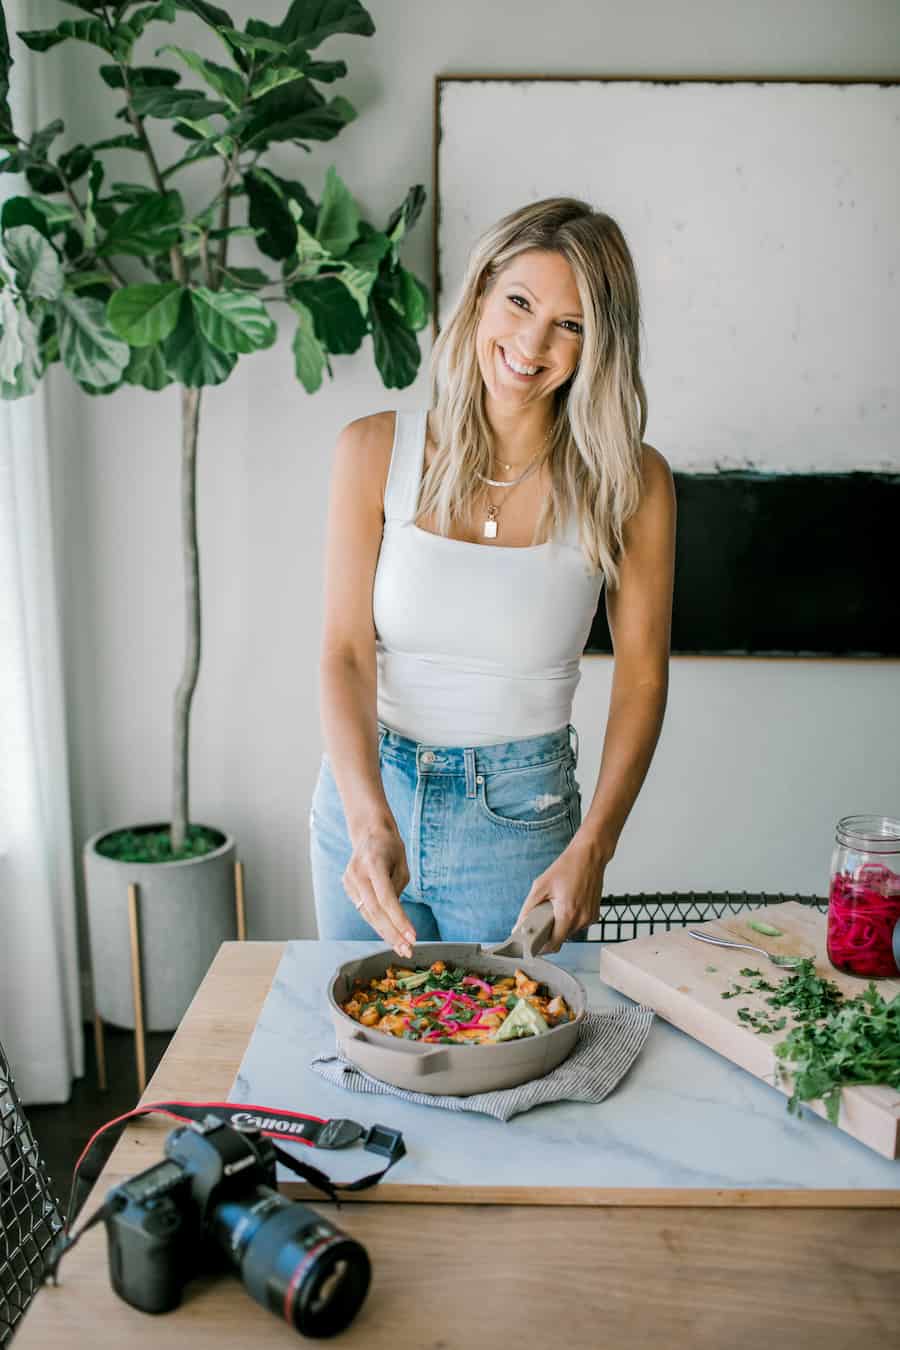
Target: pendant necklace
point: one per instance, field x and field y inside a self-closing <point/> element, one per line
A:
<point x="491" y="522"/>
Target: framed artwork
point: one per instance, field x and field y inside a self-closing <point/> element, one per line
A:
<point x="764" y="220"/>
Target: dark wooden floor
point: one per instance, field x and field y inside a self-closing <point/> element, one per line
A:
<point x="63" y="1131"/>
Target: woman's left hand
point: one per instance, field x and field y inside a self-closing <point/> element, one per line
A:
<point x="573" y="883"/>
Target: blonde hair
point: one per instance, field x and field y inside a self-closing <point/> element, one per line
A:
<point x="600" y="412"/>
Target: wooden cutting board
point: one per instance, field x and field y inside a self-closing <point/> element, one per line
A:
<point x="668" y="972"/>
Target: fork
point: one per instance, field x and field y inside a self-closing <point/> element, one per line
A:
<point x="787" y="962"/>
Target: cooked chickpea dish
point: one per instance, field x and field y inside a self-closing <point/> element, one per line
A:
<point x="451" y="1005"/>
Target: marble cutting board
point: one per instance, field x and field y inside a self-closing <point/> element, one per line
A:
<point x="684" y="1126"/>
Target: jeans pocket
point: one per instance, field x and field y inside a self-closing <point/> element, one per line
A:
<point x="538" y="797"/>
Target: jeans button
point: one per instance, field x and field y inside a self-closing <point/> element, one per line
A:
<point x="427" y="756"/>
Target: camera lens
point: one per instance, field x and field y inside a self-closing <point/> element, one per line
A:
<point x="293" y="1261"/>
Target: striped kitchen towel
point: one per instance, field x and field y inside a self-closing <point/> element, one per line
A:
<point x="607" y="1046"/>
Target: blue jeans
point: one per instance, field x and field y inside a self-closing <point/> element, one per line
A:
<point x="478" y="825"/>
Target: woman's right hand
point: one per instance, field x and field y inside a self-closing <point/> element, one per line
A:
<point x="374" y="878"/>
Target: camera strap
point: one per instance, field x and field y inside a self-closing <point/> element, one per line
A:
<point x="316" y="1131"/>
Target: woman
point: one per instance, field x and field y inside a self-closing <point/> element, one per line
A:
<point x="465" y="552"/>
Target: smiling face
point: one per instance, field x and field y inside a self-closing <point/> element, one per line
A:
<point x="529" y="315"/>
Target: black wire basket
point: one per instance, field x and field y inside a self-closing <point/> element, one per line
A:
<point x="29" y="1214"/>
<point x="629" y="916"/>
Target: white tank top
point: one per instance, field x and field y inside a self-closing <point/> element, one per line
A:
<point x="475" y="643"/>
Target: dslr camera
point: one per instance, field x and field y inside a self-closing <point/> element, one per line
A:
<point x="213" y="1203"/>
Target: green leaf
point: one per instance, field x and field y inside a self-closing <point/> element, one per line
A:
<point x="42" y="212"/>
<point x="339" y="325"/>
<point x="369" y="249"/>
<point x="405" y="216"/>
<point x="411" y="299"/>
<point x="311" y="255"/>
<point x="210" y="14"/>
<point x="397" y="353"/>
<point x="321" y="123"/>
<point x="6" y="127"/>
<point x="312" y="21"/>
<point x="124" y="142"/>
<point x="150" y="226"/>
<point x="75" y="163"/>
<point x="359" y="283"/>
<point x="38" y="269"/>
<point x="227" y="83"/>
<point x="250" y="42"/>
<point x="30" y="367"/>
<point x="147" y="369"/>
<point x="309" y="358"/>
<point x="162" y="12"/>
<point x="291" y="111"/>
<point x="90" y="205"/>
<point x="172" y="103"/>
<point x="90" y="351"/>
<point x="11" y="348"/>
<point x="272" y="77"/>
<point x="250" y="276"/>
<point x="338" y="222"/>
<point x="221" y="24"/>
<point x="189" y="358"/>
<point x="268" y="197"/>
<point x="41" y="141"/>
<point x="23" y="211"/>
<point x="93" y="31"/>
<point x="233" y="321"/>
<point x="326" y="71"/>
<point x="140" y="77"/>
<point x="79" y="281"/>
<point x="144" y="315"/>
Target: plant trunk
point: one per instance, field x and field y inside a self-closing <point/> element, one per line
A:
<point x="190" y="421"/>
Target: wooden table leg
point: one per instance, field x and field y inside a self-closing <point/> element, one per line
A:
<point x="140" y="1045"/>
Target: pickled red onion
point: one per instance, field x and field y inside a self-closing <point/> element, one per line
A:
<point x="861" y="921"/>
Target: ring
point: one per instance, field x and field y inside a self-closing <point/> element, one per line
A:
<point x="358" y="904"/>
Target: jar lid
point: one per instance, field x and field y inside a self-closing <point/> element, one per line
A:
<point x="869" y="834"/>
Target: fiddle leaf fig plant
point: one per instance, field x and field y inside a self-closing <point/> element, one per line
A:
<point x="112" y="267"/>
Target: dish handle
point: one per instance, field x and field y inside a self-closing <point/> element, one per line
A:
<point x="528" y="937"/>
<point x="374" y="1057"/>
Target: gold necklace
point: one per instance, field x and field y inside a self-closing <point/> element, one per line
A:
<point x="491" y="522"/>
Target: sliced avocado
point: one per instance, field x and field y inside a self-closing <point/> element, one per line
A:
<point x="413" y="981"/>
<point x="524" y="1020"/>
<point x="767" y="929"/>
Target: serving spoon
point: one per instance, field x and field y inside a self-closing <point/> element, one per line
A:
<point x="787" y="962"/>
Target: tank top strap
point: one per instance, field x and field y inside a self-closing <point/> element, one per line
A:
<point x="401" y="491"/>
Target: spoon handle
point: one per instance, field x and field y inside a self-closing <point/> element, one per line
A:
<point x="721" y="942"/>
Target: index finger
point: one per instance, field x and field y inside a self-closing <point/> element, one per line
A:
<point x="390" y="905"/>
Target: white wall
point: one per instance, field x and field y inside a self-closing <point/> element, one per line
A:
<point x="757" y="758"/>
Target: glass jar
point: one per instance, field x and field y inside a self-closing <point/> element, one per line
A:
<point x="864" y="897"/>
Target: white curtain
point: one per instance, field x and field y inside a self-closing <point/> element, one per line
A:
<point x="40" y="1013"/>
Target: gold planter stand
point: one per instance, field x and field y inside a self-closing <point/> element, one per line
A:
<point x="134" y="929"/>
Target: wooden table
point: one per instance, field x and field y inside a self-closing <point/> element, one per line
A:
<point x="458" y="1275"/>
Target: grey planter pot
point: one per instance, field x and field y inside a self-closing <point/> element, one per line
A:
<point x="185" y="911"/>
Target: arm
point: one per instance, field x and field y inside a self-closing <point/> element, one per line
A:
<point x="640" y="613"/>
<point x="377" y="871"/>
<point x="640" y="619"/>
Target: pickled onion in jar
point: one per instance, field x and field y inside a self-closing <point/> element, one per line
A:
<point x="863" y="909"/>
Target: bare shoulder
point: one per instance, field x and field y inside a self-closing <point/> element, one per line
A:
<point x="656" y="511"/>
<point x="655" y="470"/>
<point x="364" y="450"/>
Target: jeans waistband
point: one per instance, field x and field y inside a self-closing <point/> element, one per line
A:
<point x="517" y="754"/>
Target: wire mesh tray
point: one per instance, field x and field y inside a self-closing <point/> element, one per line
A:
<point x="29" y="1214"/>
<point x="629" y="916"/>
